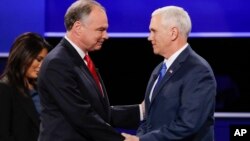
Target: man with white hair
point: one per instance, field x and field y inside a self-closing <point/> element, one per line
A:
<point x="180" y="96"/>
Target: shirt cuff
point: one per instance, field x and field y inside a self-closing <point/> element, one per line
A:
<point x="141" y="112"/>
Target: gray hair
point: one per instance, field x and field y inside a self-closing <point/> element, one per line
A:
<point x="79" y="10"/>
<point x="177" y="16"/>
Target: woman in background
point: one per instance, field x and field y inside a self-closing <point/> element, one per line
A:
<point x="19" y="101"/>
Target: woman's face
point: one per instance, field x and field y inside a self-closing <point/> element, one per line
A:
<point x="33" y="69"/>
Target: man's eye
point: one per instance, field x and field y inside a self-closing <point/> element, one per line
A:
<point x="101" y="29"/>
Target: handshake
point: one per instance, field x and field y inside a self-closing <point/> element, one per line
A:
<point x="129" y="137"/>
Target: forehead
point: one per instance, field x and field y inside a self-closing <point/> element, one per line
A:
<point x="97" y="15"/>
<point x="43" y="52"/>
<point x="155" y="21"/>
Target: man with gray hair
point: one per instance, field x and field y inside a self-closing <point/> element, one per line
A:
<point x="180" y="96"/>
<point x="74" y="100"/>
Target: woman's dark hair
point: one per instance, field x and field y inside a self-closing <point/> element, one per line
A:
<point x="24" y="50"/>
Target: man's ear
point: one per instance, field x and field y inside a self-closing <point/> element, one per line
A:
<point x="174" y="33"/>
<point x="77" y="26"/>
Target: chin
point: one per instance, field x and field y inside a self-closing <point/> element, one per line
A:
<point x="98" y="47"/>
<point x="35" y="76"/>
<point x="156" y="52"/>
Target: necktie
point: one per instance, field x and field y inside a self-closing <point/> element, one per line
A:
<point x="92" y="70"/>
<point x="161" y="74"/>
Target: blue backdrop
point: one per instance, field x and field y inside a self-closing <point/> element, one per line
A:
<point x="134" y="15"/>
<point x="17" y="17"/>
<point x="209" y="17"/>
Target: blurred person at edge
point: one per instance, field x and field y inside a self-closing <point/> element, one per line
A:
<point x="75" y="104"/>
<point x="181" y="105"/>
<point x="19" y="101"/>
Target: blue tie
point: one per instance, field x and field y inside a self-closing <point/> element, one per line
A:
<point x="162" y="72"/>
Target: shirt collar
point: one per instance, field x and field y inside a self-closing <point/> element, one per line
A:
<point x="172" y="58"/>
<point x="79" y="51"/>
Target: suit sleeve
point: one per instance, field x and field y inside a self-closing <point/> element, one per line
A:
<point x="60" y="83"/>
<point x="5" y="113"/>
<point x="127" y="116"/>
<point x="197" y="104"/>
<point x="142" y="128"/>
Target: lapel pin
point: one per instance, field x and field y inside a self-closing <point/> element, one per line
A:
<point x="171" y="71"/>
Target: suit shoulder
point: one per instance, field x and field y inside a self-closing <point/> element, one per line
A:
<point x="4" y="87"/>
<point x="198" y="60"/>
<point x="5" y="92"/>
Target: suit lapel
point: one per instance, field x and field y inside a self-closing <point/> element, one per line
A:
<point x="148" y="90"/>
<point x="170" y="72"/>
<point x="151" y="82"/>
<point x="105" y="98"/>
<point x="84" y="69"/>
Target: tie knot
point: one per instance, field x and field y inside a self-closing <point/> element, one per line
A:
<point x="88" y="61"/>
<point x="164" y="66"/>
<point x="162" y="71"/>
<point x="87" y="58"/>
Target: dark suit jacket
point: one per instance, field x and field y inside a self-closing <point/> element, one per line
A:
<point x="19" y="119"/>
<point x="72" y="105"/>
<point x="182" y="107"/>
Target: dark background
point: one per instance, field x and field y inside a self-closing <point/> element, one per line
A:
<point x="125" y="65"/>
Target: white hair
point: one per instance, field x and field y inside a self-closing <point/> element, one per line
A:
<point x="177" y="16"/>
